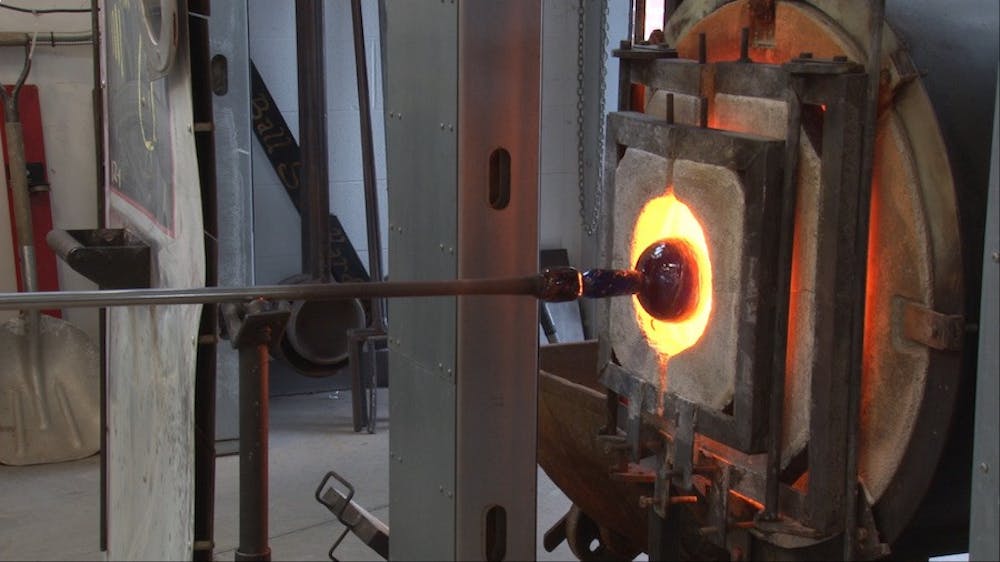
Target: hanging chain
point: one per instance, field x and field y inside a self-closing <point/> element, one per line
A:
<point x="590" y="225"/>
<point x="601" y="121"/>
<point x="580" y="152"/>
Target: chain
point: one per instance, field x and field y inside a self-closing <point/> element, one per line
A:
<point x="601" y="122"/>
<point x="590" y="225"/>
<point x="581" y="184"/>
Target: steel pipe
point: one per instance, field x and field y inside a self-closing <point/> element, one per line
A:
<point x="527" y="285"/>
<point x="559" y="284"/>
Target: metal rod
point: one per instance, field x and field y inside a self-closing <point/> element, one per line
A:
<point x="368" y="163"/>
<point x="97" y="103"/>
<point x="776" y="405"/>
<point x="309" y="42"/>
<point x="253" y="453"/>
<point x="877" y="22"/>
<point x="558" y="284"/>
<point x="311" y="291"/>
<point x="53" y="38"/>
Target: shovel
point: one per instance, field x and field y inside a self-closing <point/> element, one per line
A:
<point x="49" y="369"/>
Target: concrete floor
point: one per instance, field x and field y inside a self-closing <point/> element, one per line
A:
<point x="51" y="512"/>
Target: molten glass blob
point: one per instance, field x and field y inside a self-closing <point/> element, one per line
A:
<point x="669" y="270"/>
<point x="667" y="220"/>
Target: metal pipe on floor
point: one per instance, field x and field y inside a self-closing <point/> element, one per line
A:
<point x="253" y="362"/>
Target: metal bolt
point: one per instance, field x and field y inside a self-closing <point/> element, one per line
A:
<point x="451" y="250"/>
<point x="441" y="125"/>
<point x="984" y="467"/>
<point x="449" y="494"/>
<point x="441" y="247"/>
<point x="996" y="256"/>
<point x="451" y="127"/>
<point x="441" y="488"/>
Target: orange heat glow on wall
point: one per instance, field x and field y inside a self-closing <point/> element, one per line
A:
<point x="664" y="218"/>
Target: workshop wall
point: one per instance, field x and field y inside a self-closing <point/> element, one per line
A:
<point x="272" y="48"/>
<point x="64" y="76"/>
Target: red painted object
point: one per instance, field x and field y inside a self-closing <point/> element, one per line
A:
<point x="41" y="209"/>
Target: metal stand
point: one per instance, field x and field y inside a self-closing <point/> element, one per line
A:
<point x="252" y="329"/>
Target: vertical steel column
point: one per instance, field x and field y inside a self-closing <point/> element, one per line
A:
<point x="863" y="205"/>
<point x="312" y="139"/>
<point x="499" y="106"/>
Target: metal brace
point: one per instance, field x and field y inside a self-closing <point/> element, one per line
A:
<point x="355" y="518"/>
<point x="934" y="329"/>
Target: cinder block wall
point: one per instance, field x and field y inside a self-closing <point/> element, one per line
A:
<point x="272" y="48"/>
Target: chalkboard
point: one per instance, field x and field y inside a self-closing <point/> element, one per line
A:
<point x="139" y="140"/>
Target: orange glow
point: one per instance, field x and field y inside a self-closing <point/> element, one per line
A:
<point x="748" y="499"/>
<point x="663" y="218"/>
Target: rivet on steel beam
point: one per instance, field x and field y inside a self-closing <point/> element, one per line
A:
<point x="702" y="48"/>
<point x="996" y="256"/>
<point x="984" y="468"/>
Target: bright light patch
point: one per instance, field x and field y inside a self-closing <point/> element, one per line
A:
<point x="667" y="217"/>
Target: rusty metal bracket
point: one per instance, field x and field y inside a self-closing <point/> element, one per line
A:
<point x="934" y="329"/>
<point x="682" y="458"/>
<point x="257" y="322"/>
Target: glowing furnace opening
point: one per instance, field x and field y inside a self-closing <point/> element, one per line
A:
<point x="667" y="218"/>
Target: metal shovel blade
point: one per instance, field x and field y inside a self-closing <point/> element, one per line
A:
<point x="60" y="420"/>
